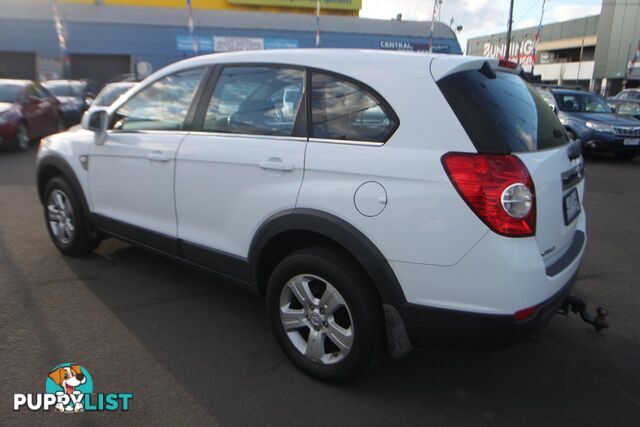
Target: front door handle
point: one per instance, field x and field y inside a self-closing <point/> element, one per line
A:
<point x="277" y="165"/>
<point x="158" y="157"/>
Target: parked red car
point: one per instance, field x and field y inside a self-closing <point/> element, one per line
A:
<point x="27" y="112"/>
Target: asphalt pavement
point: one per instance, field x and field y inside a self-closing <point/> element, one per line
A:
<point x="195" y="350"/>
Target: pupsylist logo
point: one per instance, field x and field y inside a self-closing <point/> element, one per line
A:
<point x="69" y="389"/>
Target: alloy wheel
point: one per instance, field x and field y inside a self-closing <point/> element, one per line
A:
<point x="60" y="216"/>
<point x="316" y="319"/>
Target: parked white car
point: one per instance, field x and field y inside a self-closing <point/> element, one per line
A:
<point x="410" y="198"/>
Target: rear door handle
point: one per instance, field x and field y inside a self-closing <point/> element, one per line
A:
<point x="277" y="165"/>
<point x="158" y="157"/>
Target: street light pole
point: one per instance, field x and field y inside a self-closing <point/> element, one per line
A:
<point x="506" y="55"/>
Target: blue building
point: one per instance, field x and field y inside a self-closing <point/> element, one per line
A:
<point x="105" y="41"/>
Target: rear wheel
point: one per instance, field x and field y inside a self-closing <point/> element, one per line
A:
<point x="625" y="156"/>
<point x="23" y="139"/>
<point x="325" y="314"/>
<point x="65" y="219"/>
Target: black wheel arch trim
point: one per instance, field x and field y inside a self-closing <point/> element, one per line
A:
<point x="58" y="162"/>
<point x="341" y="232"/>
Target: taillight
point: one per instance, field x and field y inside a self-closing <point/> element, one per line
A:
<point x="498" y="188"/>
<point x="525" y="313"/>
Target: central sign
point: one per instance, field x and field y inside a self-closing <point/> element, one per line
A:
<point x="324" y="4"/>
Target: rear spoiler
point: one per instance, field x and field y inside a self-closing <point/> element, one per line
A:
<point x="444" y="66"/>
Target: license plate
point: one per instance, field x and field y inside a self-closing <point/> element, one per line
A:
<point x="572" y="206"/>
<point x="631" y="141"/>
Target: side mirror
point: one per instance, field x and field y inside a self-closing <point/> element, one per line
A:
<point x="88" y="101"/>
<point x="96" y="121"/>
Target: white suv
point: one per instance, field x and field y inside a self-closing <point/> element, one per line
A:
<point x="410" y="198"/>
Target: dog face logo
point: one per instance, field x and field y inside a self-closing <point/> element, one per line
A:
<point x="71" y="380"/>
<point x="68" y="377"/>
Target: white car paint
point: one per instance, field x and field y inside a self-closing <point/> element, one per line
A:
<point x="224" y="190"/>
<point x="442" y="253"/>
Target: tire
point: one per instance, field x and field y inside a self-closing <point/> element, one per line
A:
<point x="65" y="219"/>
<point x="342" y="339"/>
<point x="625" y="156"/>
<point x="23" y="138"/>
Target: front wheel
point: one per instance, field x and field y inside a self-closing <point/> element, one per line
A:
<point x="65" y="219"/>
<point x="325" y="315"/>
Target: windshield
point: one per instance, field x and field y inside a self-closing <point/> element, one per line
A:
<point x="110" y="94"/>
<point x="502" y="113"/>
<point x="10" y="92"/>
<point x="582" y="103"/>
<point x="65" y="88"/>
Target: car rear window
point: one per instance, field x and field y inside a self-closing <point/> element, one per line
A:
<point x="501" y="112"/>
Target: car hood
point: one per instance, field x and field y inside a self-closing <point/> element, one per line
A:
<point x="609" y="118"/>
<point x="4" y="106"/>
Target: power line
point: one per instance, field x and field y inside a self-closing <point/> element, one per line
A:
<point x="527" y="12"/>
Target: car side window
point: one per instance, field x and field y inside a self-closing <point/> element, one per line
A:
<point x="163" y="105"/>
<point x="345" y="110"/>
<point x="256" y="100"/>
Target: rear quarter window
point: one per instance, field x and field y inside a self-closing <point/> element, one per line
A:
<point x="343" y="109"/>
<point x="502" y="114"/>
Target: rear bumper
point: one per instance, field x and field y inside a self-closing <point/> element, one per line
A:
<point x="475" y="301"/>
<point x="428" y="325"/>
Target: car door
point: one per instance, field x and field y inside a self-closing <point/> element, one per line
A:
<point x="242" y="164"/>
<point x="33" y="111"/>
<point x="131" y="175"/>
<point x="49" y="108"/>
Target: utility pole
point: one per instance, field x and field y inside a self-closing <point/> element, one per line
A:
<point x="506" y="55"/>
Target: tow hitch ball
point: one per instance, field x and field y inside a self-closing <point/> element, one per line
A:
<point x="578" y="306"/>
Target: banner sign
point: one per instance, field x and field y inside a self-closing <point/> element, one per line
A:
<point x="231" y="44"/>
<point x="521" y="52"/>
<point x="311" y="4"/>
<point x="187" y="43"/>
<point x="281" y="44"/>
<point x="415" y="47"/>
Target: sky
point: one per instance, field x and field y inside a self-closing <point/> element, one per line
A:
<point x="482" y="17"/>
